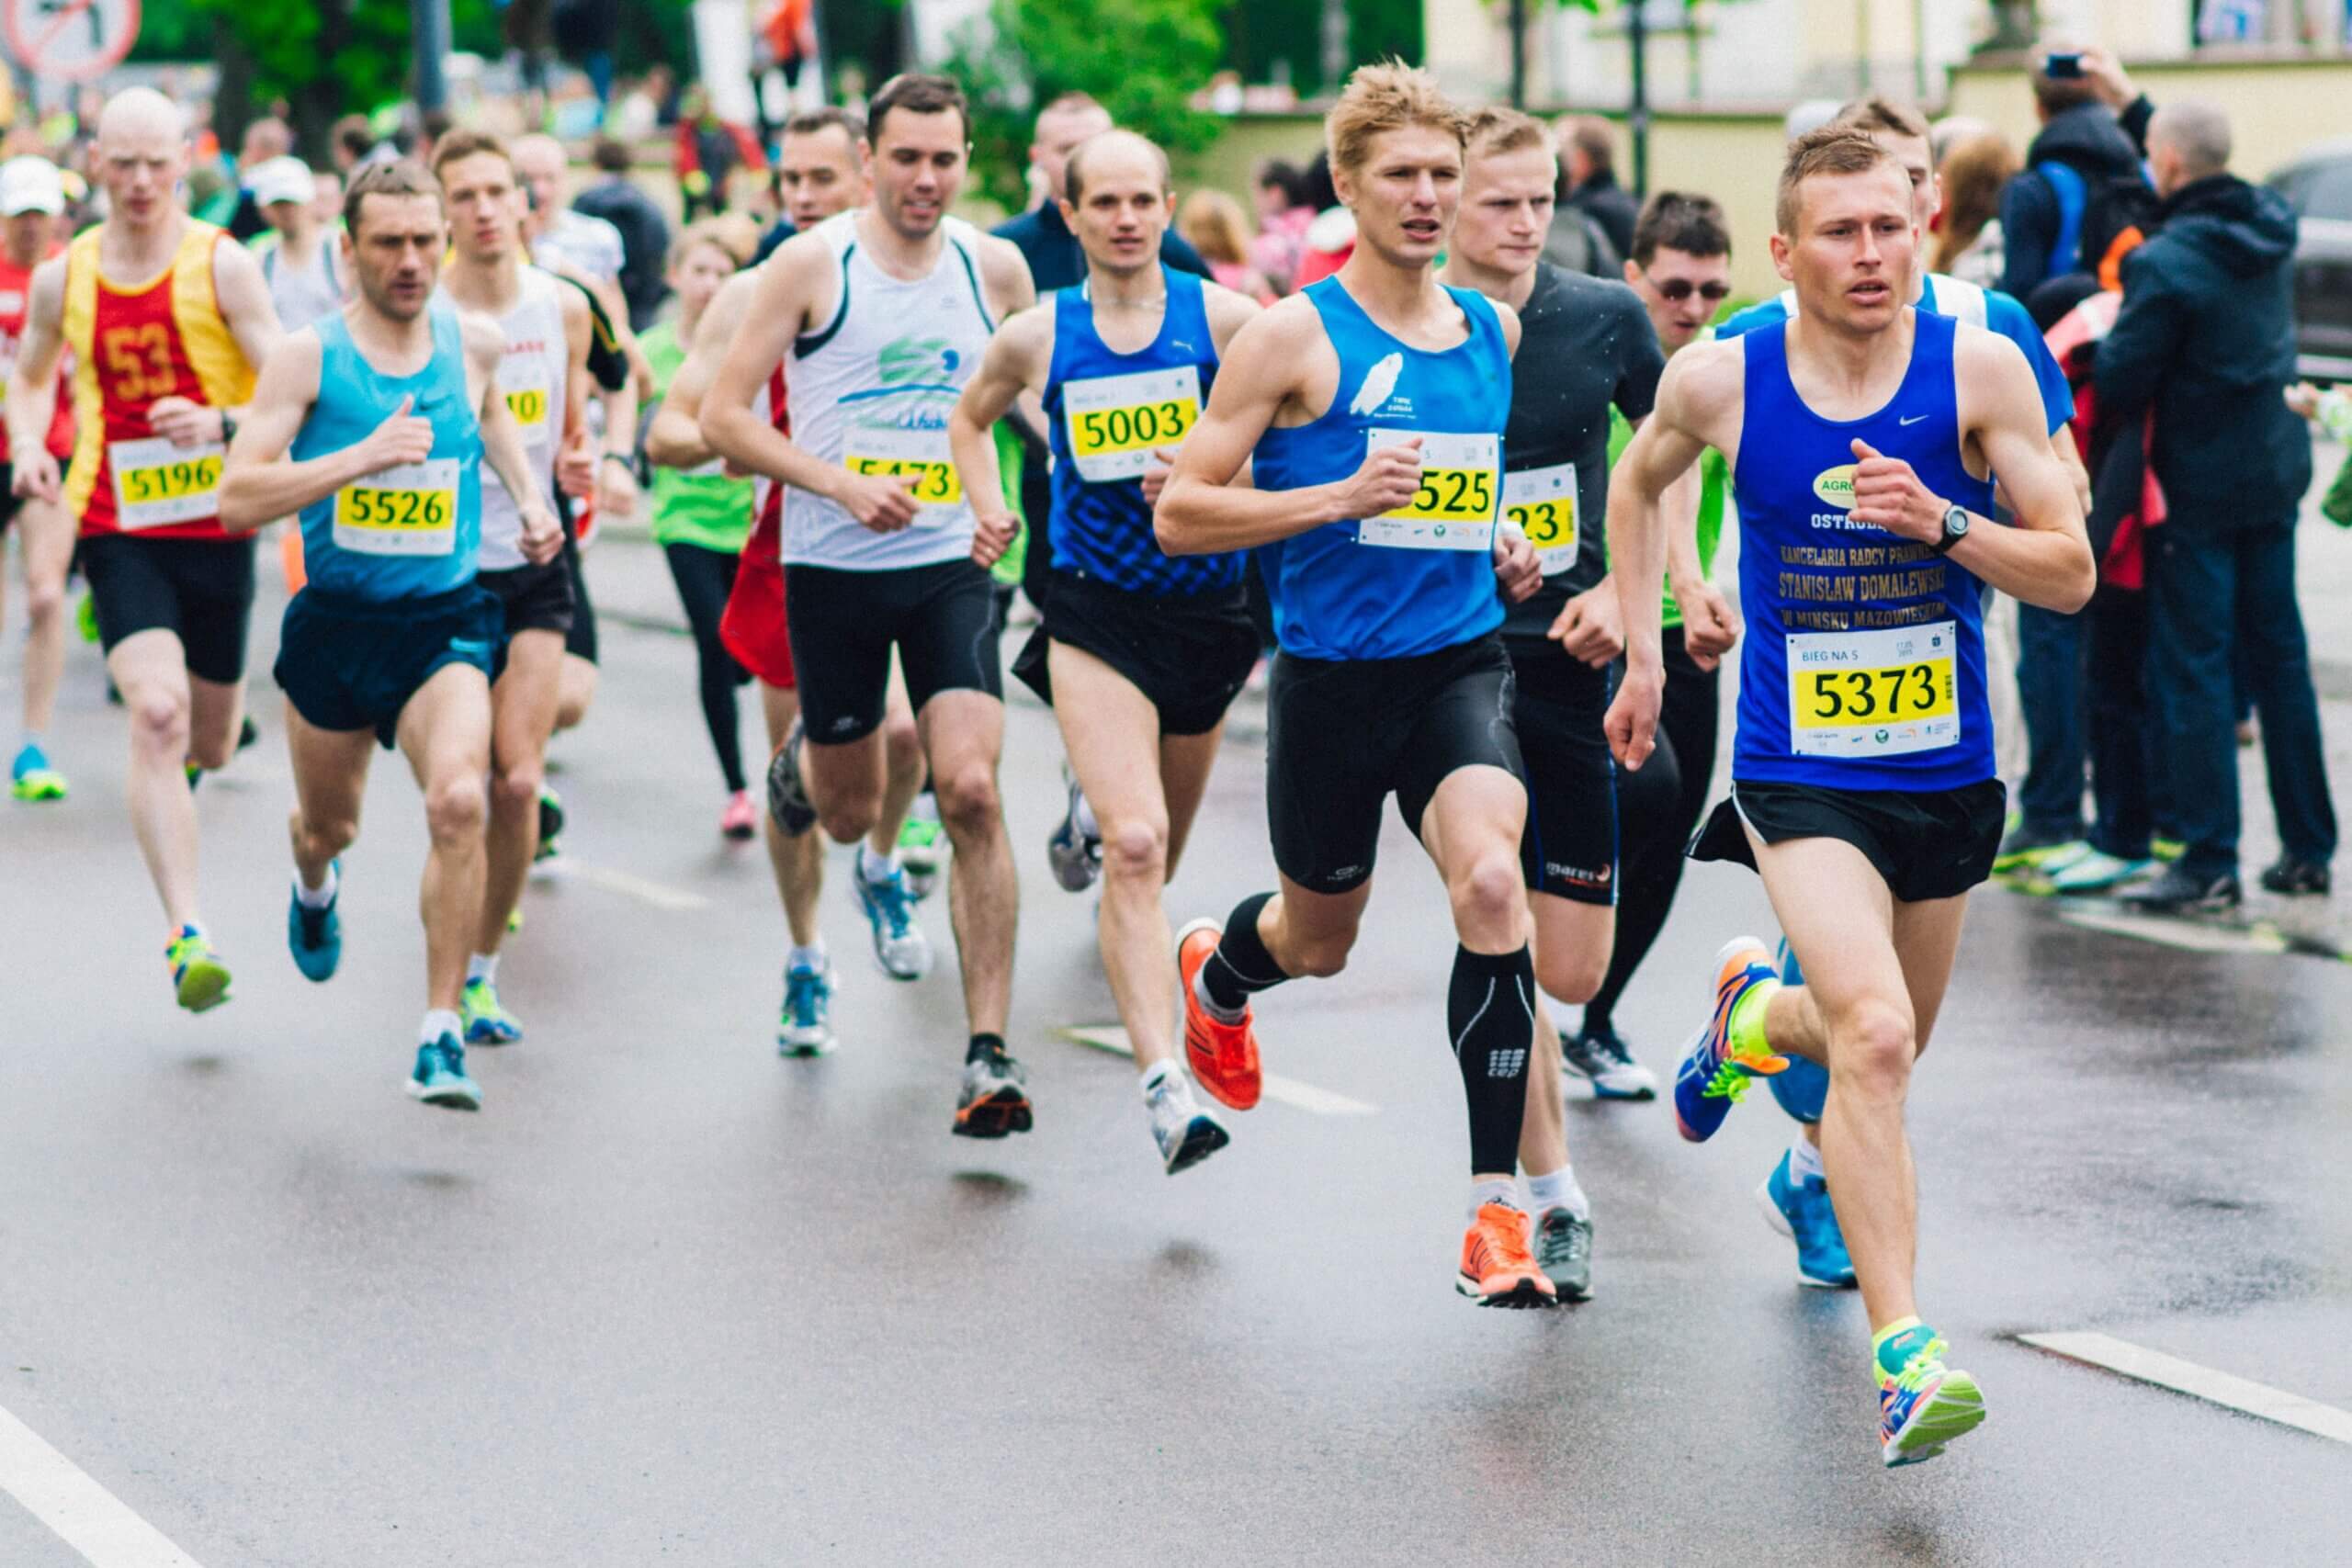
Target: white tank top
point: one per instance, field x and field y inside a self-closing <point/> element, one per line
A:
<point x="531" y="377"/>
<point x="872" y="391"/>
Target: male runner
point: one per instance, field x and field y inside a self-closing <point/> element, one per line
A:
<point x="1585" y="348"/>
<point x="166" y="319"/>
<point x="543" y="376"/>
<point x="1139" y="654"/>
<point x="1862" y="436"/>
<point x="373" y="424"/>
<point x="886" y="312"/>
<point x="31" y="196"/>
<point x="823" y="173"/>
<point x="1374" y="403"/>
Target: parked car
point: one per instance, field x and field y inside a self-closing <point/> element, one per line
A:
<point x="2319" y="184"/>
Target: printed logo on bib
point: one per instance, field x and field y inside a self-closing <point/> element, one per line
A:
<point x="1874" y="693"/>
<point x="408" y="510"/>
<point x="919" y="455"/>
<point x="1115" y="421"/>
<point x="1836" y="486"/>
<point x="1454" y="509"/>
<point x="157" y="484"/>
<point x="1542" y="503"/>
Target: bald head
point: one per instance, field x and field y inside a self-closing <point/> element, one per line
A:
<point x="1109" y="152"/>
<point x="142" y="113"/>
<point x="140" y="155"/>
<point x="539" y="163"/>
<point x="2188" y="141"/>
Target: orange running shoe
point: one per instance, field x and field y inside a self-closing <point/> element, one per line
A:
<point x="1497" y="1270"/>
<point x="1224" y="1056"/>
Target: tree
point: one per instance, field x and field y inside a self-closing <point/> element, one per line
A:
<point x="1144" y="59"/>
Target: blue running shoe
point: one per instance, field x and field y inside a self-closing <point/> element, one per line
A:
<point x="899" y="946"/>
<point x="1925" y="1406"/>
<point x="440" y="1077"/>
<point x="1804" y="1088"/>
<point x="1713" y="1074"/>
<point x="30" y="778"/>
<point x="486" y="1023"/>
<point x="807" y="1027"/>
<point x="316" y="935"/>
<point x="1801" y="1212"/>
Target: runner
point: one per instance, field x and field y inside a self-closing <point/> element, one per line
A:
<point x="1586" y="351"/>
<point x="297" y="256"/>
<point x="31" y="196"/>
<point x="543" y="376"/>
<point x="823" y="173"/>
<point x="1145" y="652"/>
<point x="1863" y="783"/>
<point x="165" y="319"/>
<point x="373" y="424"/>
<point x="1374" y="404"/>
<point x="887" y="311"/>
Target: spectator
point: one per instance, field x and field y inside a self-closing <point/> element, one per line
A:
<point x="1576" y="242"/>
<point x="326" y="187"/>
<point x="2206" y="340"/>
<point x="1589" y="157"/>
<point x="2094" y="129"/>
<point x="709" y="151"/>
<point x="1212" y="223"/>
<point x="1284" y="210"/>
<point x="264" y="139"/>
<point x="354" y="142"/>
<point x="1331" y="237"/>
<point x="1968" y="245"/>
<point x="431" y="125"/>
<point x="590" y="246"/>
<point x="645" y="234"/>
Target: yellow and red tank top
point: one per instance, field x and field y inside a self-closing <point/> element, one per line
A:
<point x="134" y="346"/>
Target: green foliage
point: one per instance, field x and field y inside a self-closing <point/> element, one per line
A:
<point x="1261" y="32"/>
<point x="1142" y="58"/>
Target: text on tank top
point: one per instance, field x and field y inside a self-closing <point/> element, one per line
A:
<point x="533" y="377"/>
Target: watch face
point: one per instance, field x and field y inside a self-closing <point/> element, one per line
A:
<point x="1955" y="523"/>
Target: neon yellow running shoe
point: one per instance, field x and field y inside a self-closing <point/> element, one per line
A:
<point x="31" y="778"/>
<point x="199" y="976"/>
<point x="1926" y="1404"/>
<point x="86" y="617"/>
<point x="486" y="1023"/>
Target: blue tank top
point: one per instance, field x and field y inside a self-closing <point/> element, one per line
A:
<point x="407" y="532"/>
<point x="1863" y="667"/>
<point x="1423" y="580"/>
<point x="1105" y="413"/>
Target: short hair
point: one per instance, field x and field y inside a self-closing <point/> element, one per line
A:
<point x="1387" y="96"/>
<point x="469" y="144"/>
<point x="715" y="232"/>
<point x="434" y="124"/>
<point x="1831" y="149"/>
<point x="2197" y="130"/>
<point x="611" y="155"/>
<point x="1496" y="131"/>
<point x="1073" y="173"/>
<point x="1590" y="135"/>
<point x="1071" y="102"/>
<point x="2055" y="94"/>
<point x="1676" y="220"/>
<point x="1880" y="115"/>
<point x="386" y="176"/>
<point x="355" y="135"/>
<point x="916" y="92"/>
<point x="830" y="117"/>
<point x="1286" y="177"/>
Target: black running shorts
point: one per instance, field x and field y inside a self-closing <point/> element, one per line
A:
<point x="533" y="598"/>
<point x="1344" y="735"/>
<point x="1926" y="844"/>
<point x="1189" y="654"/>
<point x="201" y="590"/>
<point x="941" y="619"/>
<point x="1569" y="849"/>
<point x="349" y="663"/>
<point x="580" y="636"/>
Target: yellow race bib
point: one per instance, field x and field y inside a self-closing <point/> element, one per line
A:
<point x="407" y="511"/>
<point x="1114" y="422"/>
<point x="157" y="484"/>
<point x="1874" y="693"/>
<point x="1454" y="508"/>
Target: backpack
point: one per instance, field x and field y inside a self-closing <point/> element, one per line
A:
<point x="2093" y="216"/>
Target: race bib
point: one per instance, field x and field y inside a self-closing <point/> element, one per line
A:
<point x="1454" y="508"/>
<point x="1115" y="421"/>
<point x="1875" y="694"/>
<point x="528" y="402"/>
<point x="408" y="510"/>
<point x="1543" y="502"/>
<point x="157" y="484"/>
<point x="919" y="455"/>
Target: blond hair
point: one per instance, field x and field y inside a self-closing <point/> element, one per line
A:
<point x="1831" y="149"/>
<point x="1880" y="115"/>
<point x="719" y="234"/>
<point x="1214" y="225"/>
<point x="1380" y="98"/>
<point x="1494" y="131"/>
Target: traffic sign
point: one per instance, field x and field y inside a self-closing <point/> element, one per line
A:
<point x="73" y="39"/>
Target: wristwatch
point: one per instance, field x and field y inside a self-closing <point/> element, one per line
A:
<point x="228" y="427"/>
<point x="1955" y="530"/>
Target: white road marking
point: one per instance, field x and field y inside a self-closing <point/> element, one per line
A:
<point x="1298" y="1096"/>
<point x="2187" y="935"/>
<point x="2198" y="1382"/>
<point x="676" y="899"/>
<point x="89" y="1517"/>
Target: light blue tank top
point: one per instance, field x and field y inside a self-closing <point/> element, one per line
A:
<point x="405" y="532"/>
<point x="1863" y="667"/>
<point x="1398" y="586"/>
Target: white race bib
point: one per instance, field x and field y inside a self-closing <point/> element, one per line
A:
<point x="408" y="510"/>
<point x="1456" y="507"/>
<point x="1543" y="503"/>
<point x="922" y="455"/>
<point x="1874" y="693"/>
<point x="525" y="390"/>
<point x="157" y="484"/>
<point x="1115" y="421"/>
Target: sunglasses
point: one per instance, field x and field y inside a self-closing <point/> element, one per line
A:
<point x="1678" y="289"/>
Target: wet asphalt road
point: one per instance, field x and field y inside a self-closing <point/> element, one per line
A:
<point x="670" y="1299"/>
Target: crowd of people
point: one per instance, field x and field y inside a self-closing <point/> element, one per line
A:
<point x="1446" y="421"/>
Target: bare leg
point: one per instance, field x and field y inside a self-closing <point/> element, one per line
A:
<point x="798" y="863"/>
<point x="149" y="669"/>
<point x="1573" y="943"/>
<point x="444" y="731"/>
<point x="902" y="773"/>
<point x="522" y="707"/>
<point x="330" y="780"/>
<point x="48" y="549"/>
<point x="962" y="735"/>
<point x="575" y="690"/>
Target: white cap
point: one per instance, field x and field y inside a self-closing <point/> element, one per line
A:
<point x="282" y="179"/>
<point x="30" y="184"/>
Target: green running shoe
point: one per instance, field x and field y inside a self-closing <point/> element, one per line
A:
<point x="86" y="617"/>
<point x="199" y="978"/>
<point x="922" y="846"/>
<point x="486" y="1023"/>
<point x="550" y="826"/>
<point x="1925" y="1406"/>
<point x="30" y="778"/>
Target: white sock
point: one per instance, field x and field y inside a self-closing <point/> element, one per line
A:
<point x="1558" y="1190"/>
<point x="1156" y="1074"/>
<point x="1804" y="1159"/>
<point x="874" y="867"/>
<point x="317" y="898"/>
<point x="1086" y="823"/>
<point x="482" y="966"/>
<point x="439" y="1023"/>
<point x="1505" y="1192"/>
<point x="809" y="957"/>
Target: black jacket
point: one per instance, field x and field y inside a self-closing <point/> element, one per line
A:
<point x="645" y="243"/>
<point x="2091" y="139"/>
<point x="1611" y="206"/>
<point x="2207" y="335"/>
